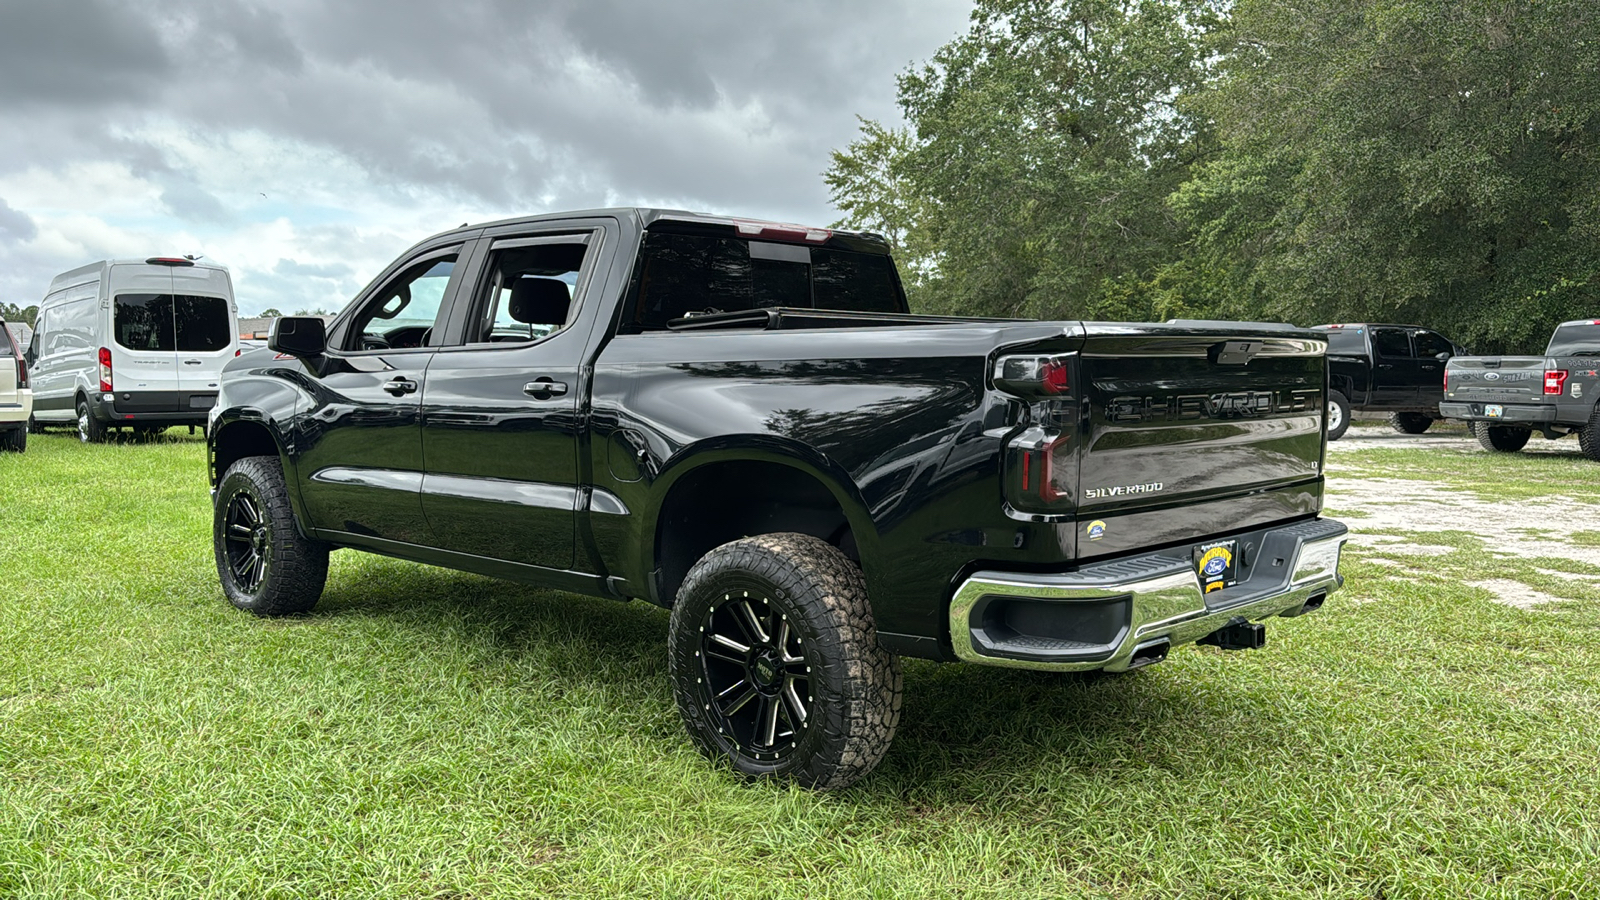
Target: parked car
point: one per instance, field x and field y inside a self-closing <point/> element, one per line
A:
<point x="1396" y="369"/>
<point x="742" y="422"/>
<point x="1508" y="398"/>
<point x="16" y="397"/>
<point x="132" y="344"/>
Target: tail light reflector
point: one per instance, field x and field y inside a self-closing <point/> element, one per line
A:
<point x="105" y="369"/>
<point x="1555" y="381"/>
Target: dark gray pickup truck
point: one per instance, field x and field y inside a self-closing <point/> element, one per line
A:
<point x="1507" y="398"/>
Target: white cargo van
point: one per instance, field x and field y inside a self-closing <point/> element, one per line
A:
<point x="132" y="343"/>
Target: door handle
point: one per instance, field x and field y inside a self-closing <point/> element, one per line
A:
<point x="1385" y="366"/>
<point x="544" y="388"/>
<point x="192" y="362"/>
<point x="401" y="386"/>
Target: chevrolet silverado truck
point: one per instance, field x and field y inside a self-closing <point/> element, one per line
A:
<point x="1508" y="398"/>
<point x="1394" y="369"/>
<point x="742" y="422"/>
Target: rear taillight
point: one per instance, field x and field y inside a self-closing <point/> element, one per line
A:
<point x="1555" y="381"/>
<point x="105" y="369"/>
<point x="22" y="373"/>
<point x="1447" y="379"/>
<point x="1041" y="465"/>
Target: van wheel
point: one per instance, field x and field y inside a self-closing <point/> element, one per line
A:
<point x="1409" y="422"/>
<point x="1501" y="438"/>
<point x="16" y="440"/>
<point x="776" y="665"/>
<point x="90" y="429"/>
<point x="265" y="565"/>
<point x="1338" y="415"/>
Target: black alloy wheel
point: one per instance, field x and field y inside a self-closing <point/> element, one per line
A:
<point x="265" y="564"/>
<point x="755" y="669"/>
<point x="247" y="537"/>
<point x="776" y="665"/>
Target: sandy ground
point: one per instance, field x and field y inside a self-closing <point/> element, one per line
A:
<point x="1523" y="529"/>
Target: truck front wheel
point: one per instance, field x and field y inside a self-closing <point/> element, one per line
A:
<point x="776" y="665"/>
<point x="265" y="565"/>
<point x="1410" y="422"/>
<point x="1501" y="438"/>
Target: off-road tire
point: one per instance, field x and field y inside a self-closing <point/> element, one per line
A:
<point x="293" y="568"/>
<point x="1338" y="415"/>
<point x="1589" y="435"/>
<point x="1410" y="422"/>
<point x="1501" y="438"/>
<point x="15" y="440"/>
<point x="808" y="589"/>
<point x="90" y="429"/>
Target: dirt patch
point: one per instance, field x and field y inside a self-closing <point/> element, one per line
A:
<point x="1514" y="593"/>
<point x="1365" y="436"/>
<point x="1521" y="529"/>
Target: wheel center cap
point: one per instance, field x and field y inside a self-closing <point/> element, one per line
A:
<point x="259" y="540"/>
<point x="765" y="670"/>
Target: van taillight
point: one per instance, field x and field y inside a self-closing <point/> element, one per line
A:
<point x="105" y="369"/>
<point x="1555" y="381"/>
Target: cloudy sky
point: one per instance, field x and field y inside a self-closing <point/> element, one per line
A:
<point x="306" y="143"/>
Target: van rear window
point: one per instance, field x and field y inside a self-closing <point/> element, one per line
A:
<point x="687" y="274"/>
<point x="167" y="322"/>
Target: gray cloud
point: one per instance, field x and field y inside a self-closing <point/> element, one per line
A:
<point x="501" y="106"/>
<point x="15" y="227"/>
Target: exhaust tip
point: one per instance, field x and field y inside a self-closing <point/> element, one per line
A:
<point x="1312" y="604"/>
<point x="1149" y="654"/>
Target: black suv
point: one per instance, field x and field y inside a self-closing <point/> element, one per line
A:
<point x="1397" y="369"/>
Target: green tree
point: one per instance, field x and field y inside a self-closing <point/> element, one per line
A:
<point x="1041" y="147"/>
<point x="12" y="312"/>
<point x="271" y="312"/>
<point x="1431" y="161"/>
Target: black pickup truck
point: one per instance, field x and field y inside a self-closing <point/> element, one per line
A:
<point x="741" y="421"/>
<point x="1396" y="369"/>
<point x="1507" y="398"/>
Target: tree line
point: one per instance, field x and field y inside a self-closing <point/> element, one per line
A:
<point x="1419" y="161"/>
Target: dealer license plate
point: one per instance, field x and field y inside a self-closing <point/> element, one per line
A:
<point x="1217" y="564"/>
<point x="1494" y="410"/>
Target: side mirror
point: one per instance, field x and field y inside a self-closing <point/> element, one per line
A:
<point x="1443" y="357"/>
<point x="302" y="336"/>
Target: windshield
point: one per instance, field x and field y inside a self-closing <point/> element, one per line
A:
<point x="1571" y="340"/>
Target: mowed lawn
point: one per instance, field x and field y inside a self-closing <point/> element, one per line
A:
<point x="432" y="734"/>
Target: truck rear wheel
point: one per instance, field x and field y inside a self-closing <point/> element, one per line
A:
<point x="1501" y="438"/>
<point x="1338" y="415"/>
<point x="16" y="440"/>
<point x="265" y="565"/>
<point x="1589" y="436"/>
<point x="776" y="665"/>
<point x="1410" y="422"/>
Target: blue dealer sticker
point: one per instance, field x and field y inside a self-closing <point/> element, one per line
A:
<point x="1096" y="530"/>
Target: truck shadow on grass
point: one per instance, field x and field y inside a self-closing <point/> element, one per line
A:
<point x="957" y="719"/>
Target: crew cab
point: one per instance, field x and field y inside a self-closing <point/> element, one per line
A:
<point x="741" y="421"/>
<point x="1394" y="369"/>
<point x="1508" y="398"/>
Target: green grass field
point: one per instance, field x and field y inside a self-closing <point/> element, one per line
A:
<point x="432" y="734"/>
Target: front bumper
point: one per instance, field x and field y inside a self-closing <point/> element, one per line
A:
<point x="1115" y="615"/>
<point x="1517" y="413"/>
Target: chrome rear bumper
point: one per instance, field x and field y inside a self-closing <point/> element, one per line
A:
<point x="1111" y="615"/>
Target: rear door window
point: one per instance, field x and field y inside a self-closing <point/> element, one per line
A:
<point x="202" y="324"/>
<point x="1347" y="341"/>
<point x="1391" y="342"/>
<point x="144" y="322"/>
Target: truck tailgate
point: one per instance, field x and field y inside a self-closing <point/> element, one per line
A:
<point x="1495" y="379"/>
<point x="1191" y="420"/>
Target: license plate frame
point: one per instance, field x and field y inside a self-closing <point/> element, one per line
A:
<point x="1216" y="564"/>
<point x="1494" y="410"/>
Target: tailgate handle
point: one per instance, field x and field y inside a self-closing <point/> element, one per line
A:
<point x="1235" y="353"/>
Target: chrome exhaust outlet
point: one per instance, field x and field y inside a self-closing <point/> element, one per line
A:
<point x="1149" y="653"/>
